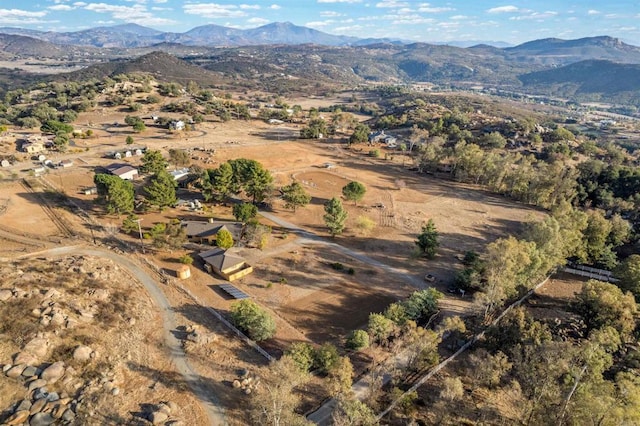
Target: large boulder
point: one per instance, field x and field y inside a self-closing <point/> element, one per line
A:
<point x="26" y="358"/>
<point x="30" y="371"/>
<point x="158" y="417"/>
<point x="53" y="372"/>
<point x="82" y="353"/>
<point x="5" y="294"/>
<point x="42" y="419"/>
<point x="16" y="371"/>
<point x="18" y="418"/>
<point x="38" y="347"/>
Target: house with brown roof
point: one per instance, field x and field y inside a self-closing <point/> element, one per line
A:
<point x="227" y="265"/>
<point x="201" y="232"/>
<point x="123" y="171"/>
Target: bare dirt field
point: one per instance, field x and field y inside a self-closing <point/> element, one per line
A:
<point x="552" y="300"/>
<point x="21" y="210"/>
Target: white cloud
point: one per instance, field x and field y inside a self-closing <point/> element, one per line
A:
<point x="318" y="24"/>
<point x="392" y="4"/>
<point x="21" y="18"/>
<point x="534" y="15"/>
<point x="80" y="4"/>
<point x="258" y="21"/>
<point x="503" y="9"/>
<point x="275" y="7"/>
<point x="214" y="10"/>
<point x="428" y="8"/>
<point x="330" y="14"/>
<point x="459" y="17"/>
<point x="61" y="7"/>
<point x="249" y="6"/>
<point x="410" y="20"/>
<point x="593" y="12"/>
<point x="339" y="1"/>
<point x="17" y="13"/>
<point x="137" y="13"/>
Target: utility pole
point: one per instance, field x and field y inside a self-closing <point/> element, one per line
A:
<point x="140" y="231"/>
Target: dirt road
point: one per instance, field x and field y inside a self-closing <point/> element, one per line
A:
<point x="208" y="400"/>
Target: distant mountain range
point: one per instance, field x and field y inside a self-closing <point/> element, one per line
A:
<point x="282" y="56"/>
<point x="133" y="35"/>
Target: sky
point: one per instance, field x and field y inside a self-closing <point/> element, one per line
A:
<point x="513" y="22"/>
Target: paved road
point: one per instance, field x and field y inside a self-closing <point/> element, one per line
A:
<point x="208" y="400"/>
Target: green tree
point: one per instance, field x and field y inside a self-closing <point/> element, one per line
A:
<point x="352" y="412"/>
<point x="259" y="185"/>
<point x="354" y="191"/>
<point x="161" y="190"/>
<point x="302" y="354"/>
<point x="493" y="140"/>
<point x="360" y="134"/>
<point x="129" y="140"/>
<point x="153" y="162"/>
<point x="379" y="327"/>
<point x="219" y="182"/>
<point x="335" y="216"/>
<point x="294" y="196"/>
<point x="274" y="402"/>
<point x="130" y="224"/>
<point x="224" y="239"/>
<point x="326" y="358"/>
<point x="249" y="317"/>
<point x="422" y="304"/>
<point x="179" y="157"/>
<point x="605" y="305"/>
<point x="358" y="339"/>
<point x="55" y="127"/>
<point x="427" y="241"/>
<point x="596" y="235"/>
<point x="244" y="212"/>
<point x="628" y="272"/>
<point x="341" y="378"/>
<point x="117" y="194"/>
<point x="317" y="128"/>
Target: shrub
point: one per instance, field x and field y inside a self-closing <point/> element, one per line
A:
<point x="186" y="259"/>
<point x="337" y="266"/>
<point x="365" y="225"/>
<point x="375" y="153"/>
<point x="380" y="327"/>
<point x="252" y="319"/>
<point x="302" y="354"/>
<point x="325" y="358"/>
<point x="358" y="339"/>
<point x="397" y="313"/>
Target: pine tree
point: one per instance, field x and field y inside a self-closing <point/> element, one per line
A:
<point x="161" y="190"/>
<point x="427" y="241"/>
<point x="335" y="216"/>
<point x="354" y="191"/>
<point x="294" y="196"/>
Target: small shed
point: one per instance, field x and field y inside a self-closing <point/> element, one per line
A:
<point x="183" y="272"/>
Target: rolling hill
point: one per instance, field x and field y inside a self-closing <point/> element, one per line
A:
<point x="274" y="58"/>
